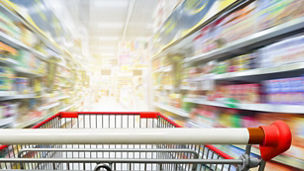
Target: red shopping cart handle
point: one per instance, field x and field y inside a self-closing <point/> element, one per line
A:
<point x="277" y="140"/>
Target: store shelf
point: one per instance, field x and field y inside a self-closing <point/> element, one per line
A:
<point x="18" y="44"/>
<point x="17" y="96"/>
<point x="32" y="121"/>
<point x="277" y="108"/>
<point x="261" y="71"/>
<point x="253" y="72"/>
<point x="8" y="61"/>
<point x="27" y="72"/>
<point x="22" y="19"/>
<point x="188" y="88"/>
<point x="165" y="87"/>
<point x="250" y="42"/>
<point x="164" y="69"/>
<point x="6" y="121"/>
<point x="62" y="97"/>
<point x="42" y="108"/>
<point x="66" y="108"/>
<point x="172" y="109"/>
<point x="7" y="93"/>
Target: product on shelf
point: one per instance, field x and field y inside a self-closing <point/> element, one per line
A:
<point x="22" y="85"/>
<point x="8" y="26"/>
<point x="28" y="37"/>
<point x="6" y="72"/>
<point x="284" y="91"/>
<point x="287" y="51"/>
<point x="6" y="84"/>
<point x="275" y="12"/>
<point x="8" y="110"/>
<point x="255" y="17"/>
<point x="244" y="93"/>
<point x="6" y="78"/>
<point x="237" y="27"/>
<point x="5" y="49"/>
<point x="239" y="24"/>
<point x="158" y="63"/>
<point x="28" y="61"/>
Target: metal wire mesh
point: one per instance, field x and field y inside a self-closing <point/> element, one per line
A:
<point x="175" y="157"/>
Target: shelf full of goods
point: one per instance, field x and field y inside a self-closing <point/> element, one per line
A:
<point x="27" y="93"/>
<point x="241" y="70"/>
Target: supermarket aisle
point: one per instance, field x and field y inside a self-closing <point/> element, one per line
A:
<point x="109" y="103"/>
<point x="106" y="104"/>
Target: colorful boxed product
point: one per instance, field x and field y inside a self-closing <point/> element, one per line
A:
<point x="286" y="51"/>
<point x="284" y="91"/>
<point x="6" y="72"/>
<point x="22" y="85"/>
<point x="275" y="12"/>
<point x="6" y="84"/>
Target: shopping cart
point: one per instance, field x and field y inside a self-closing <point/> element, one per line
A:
<point x="133" y="141"/>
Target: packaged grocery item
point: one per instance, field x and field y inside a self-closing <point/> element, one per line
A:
<point x="9" y="109"/>
<point x="8" y="26"/>
<point x="286" y="51"/>
<point x="28" y="37"/>
<point x="275" y="12"/>
<point x="6" y="84"/>
<point x="22" y="85"/>
<point x="6" y="72"/>
<point x="284" y="91"/>
<point x="6" y="49"/>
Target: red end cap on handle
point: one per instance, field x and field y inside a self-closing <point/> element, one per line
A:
<point x="277" y="140"/>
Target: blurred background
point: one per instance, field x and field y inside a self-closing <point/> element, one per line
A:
<point x="220" y="63"/>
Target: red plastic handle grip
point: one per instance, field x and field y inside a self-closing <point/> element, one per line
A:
<point x="277" y="140"/>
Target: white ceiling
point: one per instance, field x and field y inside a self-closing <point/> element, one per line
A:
<point x="110" y="21"/>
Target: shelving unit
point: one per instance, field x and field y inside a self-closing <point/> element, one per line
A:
<point x="49" y="50"/>
<point x="6" y="121"/>
<point x="17" y="44"/>
<point x="251" y="42"/>
<point x="27" y="72"/>
<point x="48" y="106"/>
<point x="172" y="109"/>
<point x="297" y="109"/>
<point x="19" y="17"/>
<point x="232" y="65"/>
<point x="164" y="69"/>
<point x="18" y="96"/>
<point x="7" y="93"/>
<point x="257" y="73"/>
<point x="31" y="122"/>
<point x="67" y="108"/>
<point x="8" y="61"/>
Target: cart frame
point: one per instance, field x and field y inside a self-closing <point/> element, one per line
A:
<point x="169" y="156"/>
